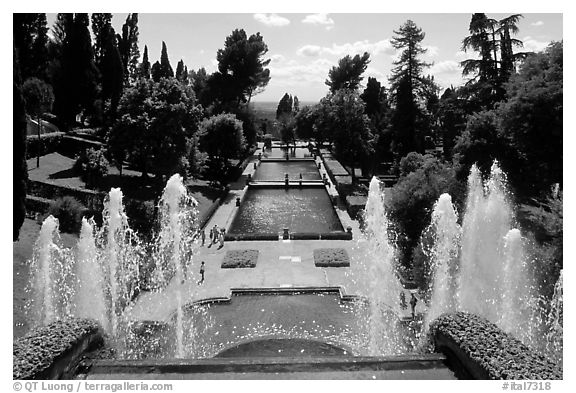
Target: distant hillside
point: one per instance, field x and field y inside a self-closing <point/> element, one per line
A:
<point x="267" y="109"/>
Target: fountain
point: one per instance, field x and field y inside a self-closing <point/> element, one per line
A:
<point x="101" y="278"/>
<point x="50" y="285"/>
<point x="175" y="244"/>
<point x="89" y="301"/>
<point x="444" y="254"/>
<point x="379" y="277"/>
<point x="486" y="271"/>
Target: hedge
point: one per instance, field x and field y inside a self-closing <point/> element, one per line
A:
<point x="484" y="351"/>
<point x="49" y="143"/>
<point x="331" y="257"/>
<point x="240" y="259"/>
<point x="52" y="351"/>
<point x="355" y="204"/>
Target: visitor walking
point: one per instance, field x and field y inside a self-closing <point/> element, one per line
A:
<point x="413" y="302"/>
<point x="403" y="304"/>
<point x="211" y="237"/>
<point x="203" y="236"/>
<point x="201" y="273"/>
<point x="222" y="233"/>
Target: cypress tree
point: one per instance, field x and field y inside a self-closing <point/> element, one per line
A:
<point x="145" y="65"/>
<point x="166" y="70"/>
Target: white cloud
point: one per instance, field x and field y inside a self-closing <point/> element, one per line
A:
<point x="319" y="19"/>
<point x="432" y="51"/>
<point x="295" y="72"/>
<point x="358" y="47"/>
<point x="272" y="19"/>
<point x="309" y="50"/>
<point x="532" y="45"/>
<point x="461" y="55"/>
<point x="538" y="23"/>
<point x="277" y="58"/>
<point x="446" y="67"/>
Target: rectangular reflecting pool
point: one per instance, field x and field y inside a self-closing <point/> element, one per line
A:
<point x="276" y="170"/>
<point x="279" y="152"/>
<point x="270" y="210"/>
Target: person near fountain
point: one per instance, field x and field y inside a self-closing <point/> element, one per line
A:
<point x="413" y="301"/>
<point x="403" y="303"/>
<point x="221" y="235"/>
<point x="201" y="273"/>
<point x="211" y="237"/>
<point x="203" y="236"/>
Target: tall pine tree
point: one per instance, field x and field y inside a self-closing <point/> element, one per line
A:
<point x="166" y="70"/>
<point x="128" y="46"/>
<point x="409" y="88"/>
<point x="31" y="42"/>
<point x="145" y="65"/>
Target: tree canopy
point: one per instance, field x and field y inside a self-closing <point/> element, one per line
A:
<point x="348" y="73"/>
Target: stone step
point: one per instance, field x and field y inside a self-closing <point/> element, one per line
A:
<point x="425" y="366"/>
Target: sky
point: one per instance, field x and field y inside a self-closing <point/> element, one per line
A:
<point x="303" y="47"/>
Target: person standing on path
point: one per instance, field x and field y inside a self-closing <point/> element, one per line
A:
<point x="222" y="232"/>
<point x="201" y="273"/>
<point x="413" y="302"/>
<point x="203" y="236"/>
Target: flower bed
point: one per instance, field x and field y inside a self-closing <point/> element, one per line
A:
<point x="240" y="259"/>
<point x="484" y="351"/>
<point x="52" y="351"/>
<point x="331" y="257"/>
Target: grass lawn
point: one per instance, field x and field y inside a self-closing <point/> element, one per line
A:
<point x="22" y="254"/>
<point x="57" y="169"/>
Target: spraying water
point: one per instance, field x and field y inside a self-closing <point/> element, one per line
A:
<point x="383" y="286"/>
<point x="90" y="301"/>
<point x="443" y="258"/>
<point x="178" y="215"/>
<point x="487" y="220"/>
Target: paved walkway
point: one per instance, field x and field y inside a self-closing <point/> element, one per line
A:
<point x="280" y="263"/>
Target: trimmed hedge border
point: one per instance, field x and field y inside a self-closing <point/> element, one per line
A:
<point x="240" y="259"/>
<point x="484" y="351"/>
<point x="52" y="351"/>
<point x="49" y="143"/>
<point x="331" y="257"/>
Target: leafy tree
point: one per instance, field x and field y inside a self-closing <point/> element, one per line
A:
<point x="31" y="39"/>
<point x="241" y="62"/>
<point x="409" y="202"/>
<point x="101" y="23"/>
<point x="285" y="107"/>
<point x="214" y="130"/>
<point x="128" y="47"/>
<point x="304" y="123"/>
<point x="19" y="166"/>
<point x="109" y="63"/>
<point x="75" y="82"/>
<point x="145" y="67"/>
<point x="523" y="133"/>
<point x="156" y="71"/>
<point x="93" y="167"/>
<point x="199" y="81"/>
<point x="452" y="118"/>
<point x="39" y="98"/>
<point x="156" y="121"/>
<point x="348" y="73"/>
<point x="296" y="104"/>
<point x="182" y="72"/>
<point x="409" y="88"/>
<point x="342" y="117"/>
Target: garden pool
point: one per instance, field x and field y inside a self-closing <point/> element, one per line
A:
<point x="300" y="209"/>
<point x="259" y="324"/>
<point x="277" y="170"/>
<point x="279" y="152"/>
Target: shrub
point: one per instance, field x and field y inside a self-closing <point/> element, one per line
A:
<point x="93" y="166"/>
<point x="240" y="259"/>
<point x="69" y="212"/>
<point x="41" y="353"/>
<point x="487" y="352"/>
<point x="331" y="257"/>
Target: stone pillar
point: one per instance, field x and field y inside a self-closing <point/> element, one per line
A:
<point x="237" y="201"/>
<point x="286" y="234"/>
